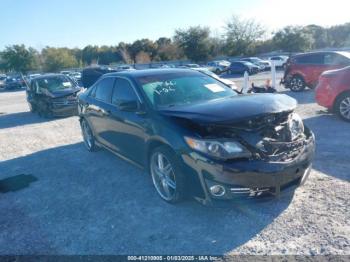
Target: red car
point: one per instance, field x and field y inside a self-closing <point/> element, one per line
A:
<point x="304" y="70"/>
<point x="333" y="91"/>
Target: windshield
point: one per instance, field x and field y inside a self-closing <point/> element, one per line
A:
<point x="174" y="89"/>
<point x="55" y="83"/>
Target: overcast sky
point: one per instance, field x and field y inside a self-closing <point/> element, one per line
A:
<point x="76" y="23"/>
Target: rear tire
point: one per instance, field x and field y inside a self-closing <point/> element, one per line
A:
<point x="167" y="178"/>
<point x="297" y="84"/>
<point x="342" y="106"/>
<point x="88" y="136"/>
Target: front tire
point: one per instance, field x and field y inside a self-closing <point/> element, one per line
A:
<point x="32" y="107"/>
<point x="342" y="106"/>
<point x="88" y="137"/>
<point x="297" y="84"/>
<point x="167" y="177"/>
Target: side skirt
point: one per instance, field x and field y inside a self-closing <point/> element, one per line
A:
<point x="120" y="156"/>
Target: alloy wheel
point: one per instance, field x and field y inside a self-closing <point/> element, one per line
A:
<point x="163" y="176"/>
<point x="297" y="84"/>
<point x="344" y="107"/>
<point x="87" y="135"/>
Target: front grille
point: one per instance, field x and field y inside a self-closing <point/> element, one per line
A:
<point x="283" y="151"/>
<point x="67" y="101"/>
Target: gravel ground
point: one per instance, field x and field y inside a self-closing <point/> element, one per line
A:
<point x="56" y="198"/>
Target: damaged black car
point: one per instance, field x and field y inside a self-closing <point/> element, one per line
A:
<point x="53" y="95"/>
<point x="195" y="135"/>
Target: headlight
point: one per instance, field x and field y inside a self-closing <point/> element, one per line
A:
<point x="218" y="149"/>
<point x="296" y="125"/>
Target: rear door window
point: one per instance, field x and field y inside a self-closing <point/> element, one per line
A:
<point x="311" y="59"/>
<point x="335" y="59"/>
<point x="103" y="90"/>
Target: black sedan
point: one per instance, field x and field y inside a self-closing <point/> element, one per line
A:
<point x="195" y="135"/>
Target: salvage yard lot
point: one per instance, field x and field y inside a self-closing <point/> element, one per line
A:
<point x="57" y="198"/>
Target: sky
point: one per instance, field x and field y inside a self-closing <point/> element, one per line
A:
<point x="77" y="23"/>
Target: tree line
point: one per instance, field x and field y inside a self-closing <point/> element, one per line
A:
<point x="240" y="37"/>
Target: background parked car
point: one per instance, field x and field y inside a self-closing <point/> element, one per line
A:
<point x="76" y="76"/>
<point x="228" y="82"/>
<point x="90" y="74"/>
<point x="125" y="67"/>
<point x="263" y="64"/>
<point x="218" y="66"/>
<point x="2" y="81"/>
<point x="14" y="82"/>
<point x="53" y="95"/>
<point x="304" y="69"/>
<point x="333" y="91"/>
<point x="240" y="67"/>
<point x="280" y="61"/>
<point x="65" y="73"/>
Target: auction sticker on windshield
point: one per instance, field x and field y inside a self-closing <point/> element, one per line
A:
<point x="215" y="88"/>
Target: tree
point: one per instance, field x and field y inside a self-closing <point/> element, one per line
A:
<point x="241" y="34"/>
<point x="56" y="59"/>
<point x="19" y="58"/>
<point x="319" y="36"/>
<point x="123" y="51"/>
<point x="143" y="45"/>
<point x="108" y="55"/>
<point x="195" y="42"/>
<point x="90" y="54"/>
<point x="142" y="58"/>
<point x="339" y="35"/>
<point x="293" y="39"/>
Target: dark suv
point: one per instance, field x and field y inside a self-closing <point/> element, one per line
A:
<point x="53" y="95"/>
<point x="195" y="135"/>
<point x="304" y="70"/>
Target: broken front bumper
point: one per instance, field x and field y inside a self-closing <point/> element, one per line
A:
<point x="250" y="177"/>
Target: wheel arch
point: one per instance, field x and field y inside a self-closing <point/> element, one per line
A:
<point x="193" y="184"/>
<point x="154" y="143"/>
<point x="341" y="94"/>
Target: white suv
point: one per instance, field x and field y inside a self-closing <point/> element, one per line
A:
<point x="280" y="61"/>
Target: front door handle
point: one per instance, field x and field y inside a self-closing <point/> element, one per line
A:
<point x="106" y="112"/>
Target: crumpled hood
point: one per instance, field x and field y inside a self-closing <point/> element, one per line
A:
<point x="233" y="109"/>
<point x="62" y="93"/>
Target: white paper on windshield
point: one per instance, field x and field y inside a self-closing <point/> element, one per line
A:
<point x="215" y="88"/>
<point x="66" y="84"/>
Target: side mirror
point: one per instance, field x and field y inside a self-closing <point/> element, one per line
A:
<point x="130" y="106"/>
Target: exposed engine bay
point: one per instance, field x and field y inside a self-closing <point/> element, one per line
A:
<point x="275" y="137"/>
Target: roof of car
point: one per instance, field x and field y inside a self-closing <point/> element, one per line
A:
<point x="151" y="72"/>
<point x="48" y="76"/>
<point x="324" y="52"/>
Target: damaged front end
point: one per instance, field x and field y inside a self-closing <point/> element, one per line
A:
<point x="276" y="137"/>
<point x="280" y="150"/>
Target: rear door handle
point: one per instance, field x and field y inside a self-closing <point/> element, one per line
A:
<point x="106" y="112"/>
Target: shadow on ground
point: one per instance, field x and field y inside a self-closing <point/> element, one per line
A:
<point x="332" y="145"/>
<point x="21" y="119"/>
<point x="3" y="90"/>
<point x="15" y="183"/>
<point x="305" y="97"/>
<point x="95" y="203"/>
